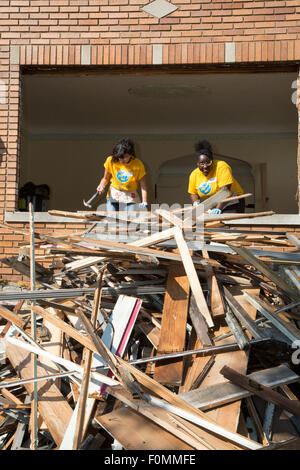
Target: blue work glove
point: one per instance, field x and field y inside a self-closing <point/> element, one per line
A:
<point x="196" y="203"/>
<point x="216" y="211"/>
<point x="143" y="205"/>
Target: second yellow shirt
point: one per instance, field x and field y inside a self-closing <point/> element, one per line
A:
<point x="220" y="175"/>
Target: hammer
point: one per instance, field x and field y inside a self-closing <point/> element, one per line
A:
<point x="88" y="203"/>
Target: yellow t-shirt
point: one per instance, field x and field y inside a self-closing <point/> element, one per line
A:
<point x="125" y="177"/>
<point x="220" y="175"/>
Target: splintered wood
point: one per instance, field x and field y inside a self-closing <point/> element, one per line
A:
<point x="169" y="330"/>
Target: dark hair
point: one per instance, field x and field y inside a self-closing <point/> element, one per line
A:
<point x="121" y="147"/>
<point x="203" y="147"/>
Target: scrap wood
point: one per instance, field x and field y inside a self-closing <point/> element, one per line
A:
<point x="269" y="273"/>
<point x="53" y="407"/>
<point x="135" y="431"/>
<point x="227" y="416"/>
<point x="261" y="390"/>
<point x="163" y="418"/>
<point x="216" y="299"/>
<point x="220" y="394"/>
<point x="173" y="325"/>
<point x="123" y="247"/>
<point x="130" y="271"/>
<point x="87" y="359"/>
<point x="195" y="285"/>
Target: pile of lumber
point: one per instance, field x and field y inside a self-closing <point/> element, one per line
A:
<point x="161" y="342"/>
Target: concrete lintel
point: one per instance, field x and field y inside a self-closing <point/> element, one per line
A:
<point x="157" y="54"/>
<point x="86" y="55"/>
<point x="15" y="55"/>
<point x="230" y="52"/>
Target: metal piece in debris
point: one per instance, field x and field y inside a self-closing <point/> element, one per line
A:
<point x="203" y="352"/>
<point x="79" y="292"/>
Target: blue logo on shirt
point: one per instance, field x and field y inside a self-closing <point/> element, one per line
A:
<point x="123" y="176"/>
<point x="205" y="188"/>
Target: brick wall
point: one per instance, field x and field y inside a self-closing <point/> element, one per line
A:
<point x="119" y="32"/>
<point x="11" y="242"/>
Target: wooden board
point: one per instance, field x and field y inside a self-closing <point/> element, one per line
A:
<point x="53" y="407"/>
<point x="228" y="415"/>
<point x="192" y="275"/>
<point x="113" y="337"/>
<point x="173" y="325"/>
<point x="216" y="300"/>
<point x="136" y="432"/>
<point x="223" y="393"/>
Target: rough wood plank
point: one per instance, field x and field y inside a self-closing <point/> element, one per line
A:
<point x="173" y="325"/>
<point x="261" y="390"/>
<point x="226" y="416"/>
<point x="136" y="432"/>
<point x="223" y="393"/>
<point x="216" y="299"/>
<point x="205" y="441"/>
<point x="263" y="268"/>
<point x="53" y="407"/>
<point x="192" y="275"/>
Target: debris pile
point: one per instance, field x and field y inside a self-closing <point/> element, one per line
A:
<point x="160" y="342"/>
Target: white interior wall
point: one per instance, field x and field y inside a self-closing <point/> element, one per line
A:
<point x="72" y="168"/>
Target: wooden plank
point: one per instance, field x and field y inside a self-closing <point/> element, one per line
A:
<point x="130" y="248"/>
<point x="136" y="432"/>
<point x="169" y="217"/>
<point x="154" y="238"/>
<point x="55" y="345"/>
<point x="284" y="326"/>
<point x="69" y="330"/>
<point x="112" y="336"/>
<point x="199" y="324"/>
<point x="11" y="316"/>
<point x="81" y="405"/>
<point x="262" y="391"/>
<point x="205" y="440"/>
<point x="173" y="325"/>
<point x="52" y="405"/>
<point x="264" y="269"/>
<point x="193" y="277"/>
<point x="156" y="388"/>
<point x="216" y="299"/>
<point x="151" y="331"/>
<point x="228" y="217"/>
<point x="223" y="393"/>
<point x="227" y="416"/>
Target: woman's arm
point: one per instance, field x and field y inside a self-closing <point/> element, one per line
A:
<point x="194" y="198"/>
<point x="144" y="190"/>
<point x="104" y="182"/>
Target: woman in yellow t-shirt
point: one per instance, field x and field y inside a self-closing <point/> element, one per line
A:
<point x="124" y="172"/>
<point x="209" y="177"/>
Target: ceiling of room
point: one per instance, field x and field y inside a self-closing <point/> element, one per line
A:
<point x="172" y="103"/>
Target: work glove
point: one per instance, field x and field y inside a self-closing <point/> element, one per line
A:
<point x="196" y="203"/>
<point x="215" y="211"/>
<point x="143" y="205"/>
<point x="100" y="189"/>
